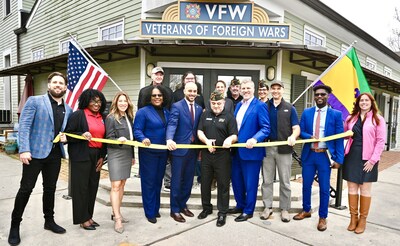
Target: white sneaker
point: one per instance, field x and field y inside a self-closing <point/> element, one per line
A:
<point x="285" y="216"/>
<point x="167" y="188"/>
<point x="266" y="213"/>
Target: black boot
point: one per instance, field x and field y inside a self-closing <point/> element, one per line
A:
<point x="52" y="226"/>
<point x="13" y="237"/>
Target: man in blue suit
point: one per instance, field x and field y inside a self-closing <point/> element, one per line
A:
<point x="182" y="129"/>
<point x="42" y="118"/>
<point x="253" y="125"/>
<point x="318" y="122"/>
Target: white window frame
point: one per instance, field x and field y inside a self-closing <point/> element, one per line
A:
<point x="5" y="14"/>
<point x="111" y="25"/>
<point x="371" y="64"/>
<point x="36" y="50"/>
<point x="64" y="41"/>
<point x="311" y="31"/>
<point x="387" y="71"/>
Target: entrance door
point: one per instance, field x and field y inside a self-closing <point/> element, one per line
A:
<point x="393" y="125"/>
<point x="208" y="77"/>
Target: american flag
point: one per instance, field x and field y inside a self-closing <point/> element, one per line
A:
<point x="82" y="74"/>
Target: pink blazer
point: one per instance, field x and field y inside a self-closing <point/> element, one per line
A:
<point x="373" y="137"/>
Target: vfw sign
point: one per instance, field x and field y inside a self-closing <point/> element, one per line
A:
<point x="215" y="20"/>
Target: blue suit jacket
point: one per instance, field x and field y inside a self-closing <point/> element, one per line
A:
<point x="148" y="124"/>
<point x="255" y="124"/>
<point x="180" y="127"/>
<point x="36" y="126"/>
<point x="333" y="125"/>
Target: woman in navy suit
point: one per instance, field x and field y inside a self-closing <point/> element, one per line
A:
<point x="149" y="128"/>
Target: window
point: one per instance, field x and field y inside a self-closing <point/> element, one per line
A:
<point x="387" y="72"/>
<point x="371" y="64"/>
<point x="37" y="54"/>
<point x="7" y="7"/>
<point x="64" y="45"/>
<point x="113" y="31"/>
<point x="312" y="37"/>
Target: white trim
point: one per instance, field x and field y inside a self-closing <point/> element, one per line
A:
<point x="63" y="40"/>
<point x="279" y="62"/>
<point x="4" y="8"/>
<point x="143" y="70"/>
<point x="33" y="13"/>
<point x="310" y="76"/>
<point x="314" y="32"/>
<point x="36" y="50"/>
<point x="226" y="66"/>
<point x="343" y="48"/>
<point x="109" y="25"/>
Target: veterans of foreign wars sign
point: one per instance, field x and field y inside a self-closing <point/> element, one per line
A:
<point x="202" y="20"/>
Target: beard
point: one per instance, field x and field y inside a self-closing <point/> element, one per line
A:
<point x="57" y="95"/>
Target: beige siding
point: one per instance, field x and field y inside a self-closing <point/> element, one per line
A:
<point x="81" y="18"/>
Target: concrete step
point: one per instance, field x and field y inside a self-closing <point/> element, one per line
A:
<point x="133" y="197"/>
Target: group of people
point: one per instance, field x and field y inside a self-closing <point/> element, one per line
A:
<point x="181" y="118"/>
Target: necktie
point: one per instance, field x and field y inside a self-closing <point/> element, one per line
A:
<point x="316" y="130"/>
<point x="192" y="113"/>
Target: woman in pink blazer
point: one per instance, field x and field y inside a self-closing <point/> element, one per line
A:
<point x="362" y="155"/>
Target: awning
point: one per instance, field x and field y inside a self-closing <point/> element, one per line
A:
<point x="314" y="57"/>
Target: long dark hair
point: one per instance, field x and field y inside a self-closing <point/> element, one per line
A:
<point x="357" y="110"/>
<point x="91" y="94"/>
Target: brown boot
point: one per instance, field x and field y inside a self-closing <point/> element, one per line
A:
<point x="365" y="202"/>
<point x="353" y="207"/>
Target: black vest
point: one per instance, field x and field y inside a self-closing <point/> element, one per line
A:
<point x="284" y="126"/>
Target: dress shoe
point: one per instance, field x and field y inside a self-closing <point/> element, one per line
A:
<point x="235" y="210"/>
<point x="158" y="215"/>
<point x="266" y="213"/>
<point x="178" y="217"/>
<point x="221" y="220"/>
<point x="90" y="227"/>
<point x="52" y="226"/>
<point x="285" y="216"/>
<point x="118" y="227"/>
<point x="243" y="217"/>
<point x="302" y="215"/>
<point x="187" y="212"/>
<point x="152" y="220"/>
<point x="13" y="237"/>
<point x="123" y="219"/>
<point x="204" y="214"/>
<point x="322" y="224"/>
<point x="95" y="224"/>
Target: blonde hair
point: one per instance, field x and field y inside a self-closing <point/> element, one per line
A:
<point x="114" y="108"/>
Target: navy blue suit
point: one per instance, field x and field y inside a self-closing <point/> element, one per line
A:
<point x="149" y="124"/>
<point x="181" y="130"/>
<point x="313" y="162"/>
<point x="246" y="163"/>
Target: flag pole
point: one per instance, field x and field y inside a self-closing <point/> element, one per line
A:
<point x="326" y="70"/>
<point x="93" y="60"/>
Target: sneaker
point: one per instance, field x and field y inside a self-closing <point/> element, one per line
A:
<point x="285" y="216"/>
<point x="167" y="188"/>
<point x="266" y="213"/>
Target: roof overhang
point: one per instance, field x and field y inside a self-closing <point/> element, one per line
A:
<point x="313" y="57"/>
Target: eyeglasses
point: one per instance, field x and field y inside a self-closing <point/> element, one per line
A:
<point x="320" y="94"/>
<point x="95" y="102"/>
<point x="156" y="95"/>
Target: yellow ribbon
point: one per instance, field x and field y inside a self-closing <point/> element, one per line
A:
<point x="197" y="146"/>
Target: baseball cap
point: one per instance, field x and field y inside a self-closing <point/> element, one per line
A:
<point x="157" y="69"/>
<point x="277" y="82"/>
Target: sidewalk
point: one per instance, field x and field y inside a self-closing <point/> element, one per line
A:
<point x="382" y="227"/>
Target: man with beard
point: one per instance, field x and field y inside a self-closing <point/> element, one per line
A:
<point x="217" y="127"/>
<point x="318" y="122"/>
<point x="253" y="125"/>
<point x="234" y="92"/>
<point x="42" y="118"/>
<point x="182" y="129"/>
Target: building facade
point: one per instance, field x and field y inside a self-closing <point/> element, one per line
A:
<point x="113" y="32"/>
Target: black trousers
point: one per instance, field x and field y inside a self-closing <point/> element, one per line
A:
<point x="84" y="185"/>
<point x="50" y="168"/>
<point x="216" y="165"/>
